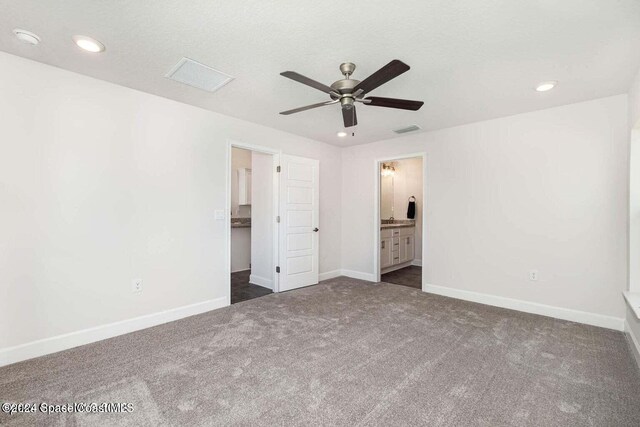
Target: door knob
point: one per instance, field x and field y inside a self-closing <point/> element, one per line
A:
<point x="316" y="229"/>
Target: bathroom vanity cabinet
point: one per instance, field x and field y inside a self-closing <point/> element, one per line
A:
<point x="397" y="248"/>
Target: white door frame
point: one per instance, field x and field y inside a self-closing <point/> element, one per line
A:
<point x="276" y="206"/>
<point x="376" y="210"/>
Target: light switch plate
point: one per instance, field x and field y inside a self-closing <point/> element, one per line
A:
<point x="219" y="214"/>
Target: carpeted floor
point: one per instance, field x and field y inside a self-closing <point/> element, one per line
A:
<point x="409" y="276"/>
<point x="345" y="352"/>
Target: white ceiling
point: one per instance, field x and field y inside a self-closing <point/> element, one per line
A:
<point x="470" y="60"/>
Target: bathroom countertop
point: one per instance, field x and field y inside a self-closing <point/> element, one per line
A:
<point x="241" y="223"/>
<point x="386" y="226"/>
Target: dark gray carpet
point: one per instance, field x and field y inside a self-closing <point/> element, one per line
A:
<point x="409" y="276"/>
<point x="242" y="290"/>
<point x="344" y="352"/>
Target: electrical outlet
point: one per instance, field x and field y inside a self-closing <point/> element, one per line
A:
<point x="136" y="286"/>
<point x="533" y="275"/>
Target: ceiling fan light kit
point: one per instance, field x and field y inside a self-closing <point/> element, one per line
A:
<point x="347" y="91"/>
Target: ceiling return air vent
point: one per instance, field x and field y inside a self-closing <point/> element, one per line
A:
<point x="411" y="128"/>
<point x="198" y="75"/>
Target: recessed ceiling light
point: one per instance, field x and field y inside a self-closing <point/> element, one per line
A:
<point x="88" y="44"/>
<point x="545" y="86"/>
<point x="341" y="134"/>
<point x="26" y="36"/>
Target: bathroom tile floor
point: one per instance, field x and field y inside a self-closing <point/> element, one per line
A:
<point x="409" y="276"/>
<point x="242" y="290"/>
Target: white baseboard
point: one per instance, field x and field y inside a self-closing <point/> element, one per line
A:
<point x="261" y="281"/>
<point x="349" y="273"/>
<point x="417" y="262"/>
<point x="241" y="269"/>
<point x="634" y="343"/>
<point x="57" y="343"/>
<point x="360" y="275"/>
<point x="594" y="319"/>
<point x="330" y="275"/>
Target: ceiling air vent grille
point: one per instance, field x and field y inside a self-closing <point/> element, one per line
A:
<point x="411" y="128"/>
<point x="198" y="75"/>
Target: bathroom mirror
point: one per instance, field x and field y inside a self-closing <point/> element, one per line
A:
<point x="386" y="192"/>
<point x="244" y="186"/>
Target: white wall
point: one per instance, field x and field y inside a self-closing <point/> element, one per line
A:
<point x="100" y="184"/>
<point x="262" y="220"/>
<point x="545" y="190"/>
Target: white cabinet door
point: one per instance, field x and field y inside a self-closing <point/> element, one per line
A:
<point x="406" y="248"/>
<point x="299" y="212"/>
<point x="403" y="249"/>
<point x="385" y="253"/>
<point x="410" y="247"/>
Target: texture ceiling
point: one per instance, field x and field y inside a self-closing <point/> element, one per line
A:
<point x="470" y="60"/>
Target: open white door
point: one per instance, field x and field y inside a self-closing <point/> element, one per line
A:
<point x="299" y="213"/>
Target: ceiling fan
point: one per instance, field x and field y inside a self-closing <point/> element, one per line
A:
<point x="349" y="91"/>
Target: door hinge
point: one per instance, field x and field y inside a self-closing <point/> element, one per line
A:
<point x="278" y="169"/>
<point x="278" y="269"/>
<point x="278" y="219"/>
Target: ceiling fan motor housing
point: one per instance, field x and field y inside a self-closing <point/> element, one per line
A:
<point x="344" y="86"/>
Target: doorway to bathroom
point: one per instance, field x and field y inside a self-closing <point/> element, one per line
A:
<point x="252" y="234"/>
<point x="400" y="220"/>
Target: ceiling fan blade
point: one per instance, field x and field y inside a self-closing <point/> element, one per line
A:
<point x="308" y="107"/>
<point x="390" y="71"/>
<point x="306" y="81"/>
<point x="403" y="104"/>
<point x="349" y="116"/>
